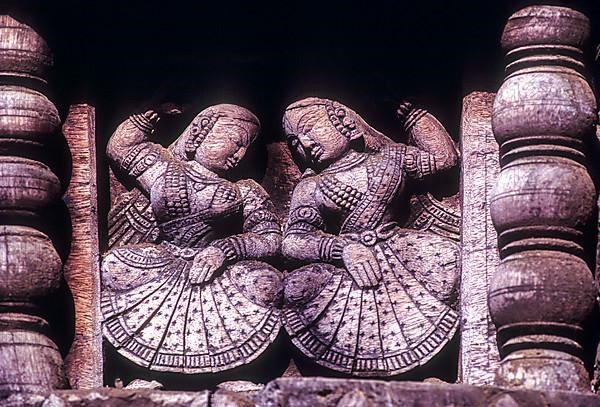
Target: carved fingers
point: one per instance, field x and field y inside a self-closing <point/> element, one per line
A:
<point x="206" y="264"/>
<point x="152" y="116"/>
<point x="144" y="122"/>
<point x="362" y="265"/>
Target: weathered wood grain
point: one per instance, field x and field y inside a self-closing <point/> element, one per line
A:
<point x="280" y="177"/>
<point x="543" y="292"/>
<point x="480" y="165"/>
<point x="30" y="267"/>
<point x="84" y="361"/>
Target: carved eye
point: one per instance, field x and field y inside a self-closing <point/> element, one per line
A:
<point x="340" y="113"/>
<point x="204" y="122"/>
<point x="194" y="131"/>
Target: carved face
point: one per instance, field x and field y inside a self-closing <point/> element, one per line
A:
<point x="318" y="144"/>
<point x="225" y="146"/>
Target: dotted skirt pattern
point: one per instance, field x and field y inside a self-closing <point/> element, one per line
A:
<point x="155" y="317"/>
<point x="398" y="325"/>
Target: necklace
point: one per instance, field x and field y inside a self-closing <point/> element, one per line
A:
<point x="350" y="160"/>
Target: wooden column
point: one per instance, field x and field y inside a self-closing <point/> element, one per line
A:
<point x="479" y="357"/>
<point x="543" y="290"/>
<point x="30" y="267"/>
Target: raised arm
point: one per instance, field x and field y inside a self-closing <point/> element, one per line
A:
<point x="261" y="237"/>
<point x="305" y="238"/>
<point x="130" y="150"/>
<point x="430" y="148"/>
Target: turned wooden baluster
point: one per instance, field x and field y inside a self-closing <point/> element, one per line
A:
<point x="30" y="267"/>
<point x="543" y="290"/>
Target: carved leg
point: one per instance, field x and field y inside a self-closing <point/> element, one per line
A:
<point x="543" y="290"/>
<point x="258" y="281"/>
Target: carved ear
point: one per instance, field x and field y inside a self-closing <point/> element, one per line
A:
<point x="354" y="128"/>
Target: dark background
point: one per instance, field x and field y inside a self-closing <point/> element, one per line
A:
<point x="126" y="56"/>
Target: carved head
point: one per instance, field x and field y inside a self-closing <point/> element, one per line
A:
<point x="218" y="137"/>
<point x="320" y="131"/>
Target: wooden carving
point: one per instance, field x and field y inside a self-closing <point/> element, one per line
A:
<point x="30" y="266"/>
<point x="480" y="166"/>
<point x="543" y="290"/>
<point x="84" y="363"/>
<point x="185" y="287"/>
<point x="374" y="299"/>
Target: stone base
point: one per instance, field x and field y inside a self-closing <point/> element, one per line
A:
<point x="340" y="392"/>
<point x="317" y="392"/>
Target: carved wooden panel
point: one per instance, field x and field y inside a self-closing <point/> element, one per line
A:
<point x="185" y="284"/>
<point x="374" y="299"/>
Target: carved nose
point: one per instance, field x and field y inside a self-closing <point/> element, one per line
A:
<point x="306" y="141"/>
<point x="307" y="144"/>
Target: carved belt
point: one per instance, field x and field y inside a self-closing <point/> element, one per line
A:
<point x="371" y="237"/>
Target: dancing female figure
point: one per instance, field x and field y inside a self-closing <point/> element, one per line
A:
<point x="375" y="299"/>
<point x="184" y="287"/>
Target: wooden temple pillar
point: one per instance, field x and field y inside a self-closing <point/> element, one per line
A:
<point x="30" y="265"/>
<point x="543" y="291"/>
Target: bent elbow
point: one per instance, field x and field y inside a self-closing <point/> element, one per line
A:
<point x="115" y="147"/>
<point x="450" y="159"/>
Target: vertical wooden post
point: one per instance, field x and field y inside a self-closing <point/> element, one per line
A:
<point x="479" y="357"/>
<point x="84" y="361"/>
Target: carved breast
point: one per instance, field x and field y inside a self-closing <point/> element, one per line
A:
<point x="342" y="190"/>
<point x="189" y="206"/>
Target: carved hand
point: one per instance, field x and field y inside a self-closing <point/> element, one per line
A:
<point x="206" y="263"/>
<point x="362" y="265"/>
<point x="143" y="123"/>
<point x="152" y="116"/>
